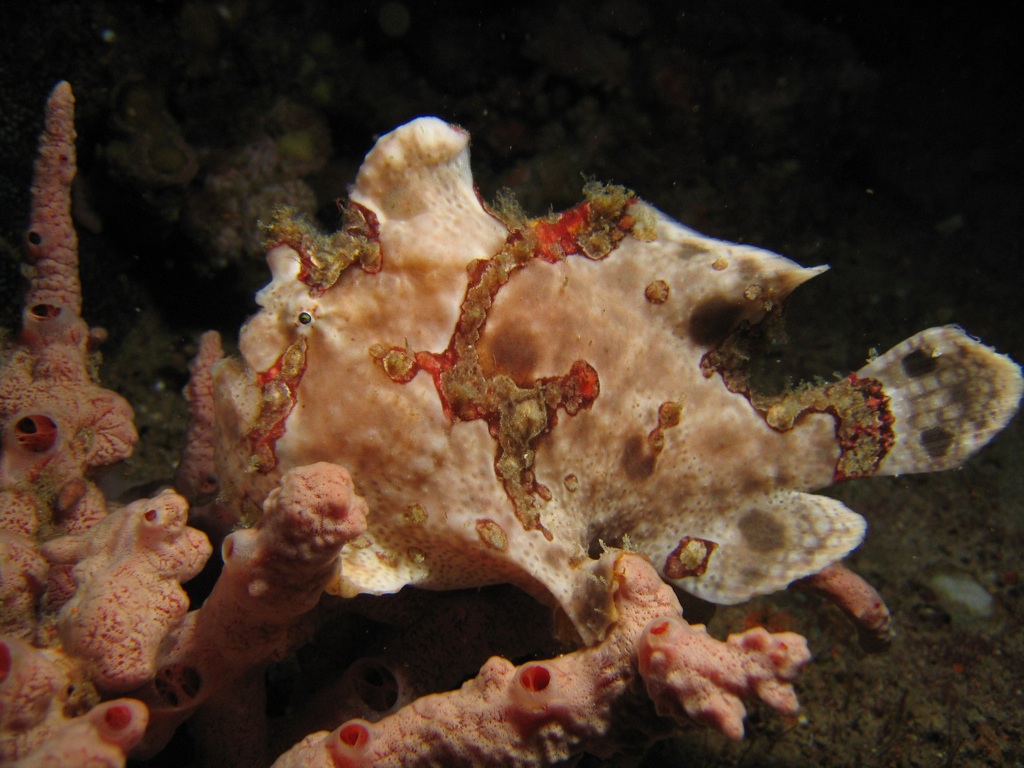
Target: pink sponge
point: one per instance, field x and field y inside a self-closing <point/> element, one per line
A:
<point x="129" y="568"/>
<point x="98" y="739"/>
<point x="692" y="677"/>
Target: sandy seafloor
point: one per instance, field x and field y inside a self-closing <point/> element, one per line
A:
<point x="879" y="137"/>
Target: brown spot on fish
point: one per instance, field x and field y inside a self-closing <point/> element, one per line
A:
<point x="959" y="394"/>
<point x="511" y="351"/>
<point x="937" y="441"/>
<point x="762" y="532"/>
<point x="637" y="458"/>
<point x="919" y="363"/>
<point x="711" y="322"/>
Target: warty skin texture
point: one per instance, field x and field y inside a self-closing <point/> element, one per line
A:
<point x="669" y="457"/>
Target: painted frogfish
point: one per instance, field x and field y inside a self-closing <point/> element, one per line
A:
<point x="515" y="397"/>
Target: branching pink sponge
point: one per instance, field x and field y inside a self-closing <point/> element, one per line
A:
<point x="98" y="739"/>
<point x="196" y="475"/>
<point x="22" y="579"/>
<point x="58" y="424"/>
<point x="545" y="712"/>
<point x="128" y="569"/>
<point x="49" y="719"/>
<point x="34" y="685"/>
<point x="277" y="571"/>
<point x="273" y="576"/>
<point x="692" y="677"/>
